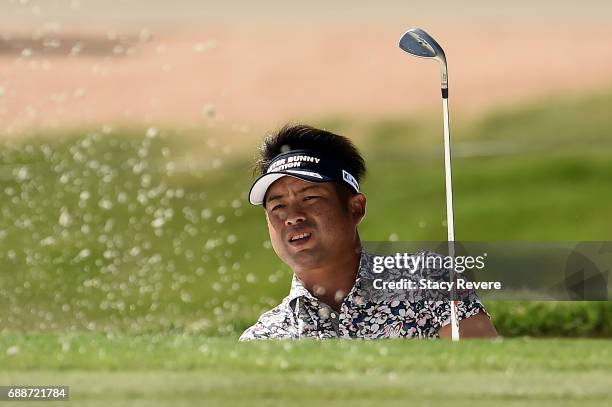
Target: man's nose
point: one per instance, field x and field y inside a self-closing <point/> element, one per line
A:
<point x="294" y="217"/>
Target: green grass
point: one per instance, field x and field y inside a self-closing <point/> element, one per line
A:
<point x="196" y="370"/>
<point x="141" y="231"/>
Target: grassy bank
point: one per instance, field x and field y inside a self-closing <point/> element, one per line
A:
<point x="191" y="370"/>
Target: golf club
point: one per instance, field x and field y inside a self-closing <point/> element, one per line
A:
<point x="418" y="43"/>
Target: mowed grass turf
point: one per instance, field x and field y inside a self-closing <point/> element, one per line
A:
<point x="195" y="370"/>
<point x="148" y="230"/>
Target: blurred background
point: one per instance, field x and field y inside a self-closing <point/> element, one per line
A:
<point x="128" y="128"/>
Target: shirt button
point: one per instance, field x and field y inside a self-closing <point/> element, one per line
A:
<point x="323" y="313"/>
<point x="333" y="315"/>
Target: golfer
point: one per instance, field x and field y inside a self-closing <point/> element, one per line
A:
<point x="309" y="189"/>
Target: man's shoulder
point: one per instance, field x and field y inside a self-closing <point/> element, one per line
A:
<point x="273" y="324"/>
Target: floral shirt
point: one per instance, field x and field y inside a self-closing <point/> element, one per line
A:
<point x="301" y="315"/>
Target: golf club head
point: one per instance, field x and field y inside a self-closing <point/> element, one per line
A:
<point x="418" y="43"/>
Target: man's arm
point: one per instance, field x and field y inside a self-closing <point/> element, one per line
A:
<point x="476" y="326"/>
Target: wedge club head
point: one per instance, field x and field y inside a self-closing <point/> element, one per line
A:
<point x="418" y="43"/>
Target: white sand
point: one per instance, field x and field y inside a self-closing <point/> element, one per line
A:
<point x="263" y="73"/>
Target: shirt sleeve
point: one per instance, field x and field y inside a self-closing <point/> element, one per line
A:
<point x="465" y="309"/>
<point x="273" y="324"/>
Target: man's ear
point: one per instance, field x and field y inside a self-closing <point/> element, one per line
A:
<point x="357" y="206"/>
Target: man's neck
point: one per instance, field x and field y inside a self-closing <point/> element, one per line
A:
<point x="332" y="282"/>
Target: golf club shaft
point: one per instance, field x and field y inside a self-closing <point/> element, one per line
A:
<point x="450" y="220"/>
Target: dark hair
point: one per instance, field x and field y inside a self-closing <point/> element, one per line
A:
<point x="300" y="136"/>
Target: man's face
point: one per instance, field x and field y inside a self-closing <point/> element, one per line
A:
<point x="309" y="222"/>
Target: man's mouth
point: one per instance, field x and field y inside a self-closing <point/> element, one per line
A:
<point x="299" y="239"/>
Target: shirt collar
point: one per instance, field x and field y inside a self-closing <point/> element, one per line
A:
<point x="298" y="289"/>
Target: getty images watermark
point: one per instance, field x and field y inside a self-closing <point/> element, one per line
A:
<point x="499" y="270"/>
<point x="413" y="263"/>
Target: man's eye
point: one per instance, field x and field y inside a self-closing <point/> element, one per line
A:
<point x="310" y="197"/>
<point x="277" y="207"/>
